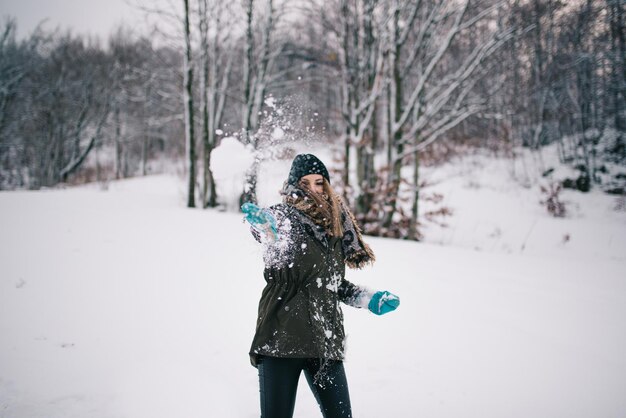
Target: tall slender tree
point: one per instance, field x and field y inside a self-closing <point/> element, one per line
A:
<point x="189" y="111"/>
<point x="257" y="69"/>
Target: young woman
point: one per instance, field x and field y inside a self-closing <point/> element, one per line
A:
<point x="308" y="240"/>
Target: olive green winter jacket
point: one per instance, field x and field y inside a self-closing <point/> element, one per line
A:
<point x="299" y="311"/>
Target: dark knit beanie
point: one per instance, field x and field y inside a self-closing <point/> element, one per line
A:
<point x="305" y="164"/>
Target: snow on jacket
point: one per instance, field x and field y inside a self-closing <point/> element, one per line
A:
<point x="299" y="311"/>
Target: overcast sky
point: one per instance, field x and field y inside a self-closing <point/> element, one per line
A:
<point x="96" y="17"/>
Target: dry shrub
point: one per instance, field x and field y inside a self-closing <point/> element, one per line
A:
<point x="90" y="174"/>
<point x="371" y="222"/>
<point x="552" y="200"/>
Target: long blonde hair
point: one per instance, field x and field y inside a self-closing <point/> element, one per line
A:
<point x="328" y="204"/>
<point x="328" y="210"/>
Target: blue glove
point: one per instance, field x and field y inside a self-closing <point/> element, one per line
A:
<point x="383" y="302"/>
<point x="257" y="216"/>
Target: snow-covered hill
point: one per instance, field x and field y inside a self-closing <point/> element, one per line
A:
<point x="496" y="206"/>
<point x="123" y="303"/>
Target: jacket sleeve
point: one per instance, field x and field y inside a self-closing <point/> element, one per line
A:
<point x="353" y="295"/>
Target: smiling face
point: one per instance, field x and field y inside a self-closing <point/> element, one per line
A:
<point x="315" y="182"/>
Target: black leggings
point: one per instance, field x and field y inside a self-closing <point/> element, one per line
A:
<point x="278" y="379"/>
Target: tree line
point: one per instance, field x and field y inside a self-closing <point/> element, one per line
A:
<point x="387" y="80"/>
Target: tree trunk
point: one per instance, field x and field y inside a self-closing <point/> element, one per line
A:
<point x="389" y="127"/>
<point x="394" y="175"/>
<point x="145" y="144"/>
<point x="79" y="158"/>
<point x="346" y="165"/>
<point x="254" y="91"/>
<point x="144" y="154"/>
<point x="366" y="147"/>
<point x="119" y="149"/>
<point x="413" y="231"/>
<point x="618" y="65"/>
<point x="204" y="106"/>
<point x="189" y="113"/>
<point x="249" y="192"/>
<point x="347" y="86"/>
<point x="247" y="74"/>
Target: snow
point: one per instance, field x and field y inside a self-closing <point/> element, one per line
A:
<point x="124" y="303"/>
<point x="229" y="162"/>
<point x="278" y="134"/>
<point x="492" y="212"/>
<point x="270" y="102"/>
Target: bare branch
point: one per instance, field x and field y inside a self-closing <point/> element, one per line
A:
<point x="425" y="76"/>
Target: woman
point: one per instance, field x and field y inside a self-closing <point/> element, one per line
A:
<point x="308" y="240"/>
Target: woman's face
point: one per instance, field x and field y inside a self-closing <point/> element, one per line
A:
<point x="313" y="182"/>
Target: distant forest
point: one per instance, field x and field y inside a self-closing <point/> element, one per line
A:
<point x="389" y="82"/>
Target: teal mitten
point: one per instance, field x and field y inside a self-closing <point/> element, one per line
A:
<point x="259" y="217"/>
<point x="383" y="302"/>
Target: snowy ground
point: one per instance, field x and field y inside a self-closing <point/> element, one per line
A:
<point x="123" y="303"/>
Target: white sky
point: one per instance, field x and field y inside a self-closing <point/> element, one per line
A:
<point x="95" y="17"/>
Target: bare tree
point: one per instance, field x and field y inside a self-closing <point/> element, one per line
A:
<point x="189" y="111"/>
<point x="617" y="59"/>
<point x="12" y="71"/>
<point x="427" y="98"/>
<point x="386" y="78"/>
<point x="361" y="65"/>
<point x="14" y="64"/>
<point x="257" y="69"/>
<point x="216" y="63"/>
